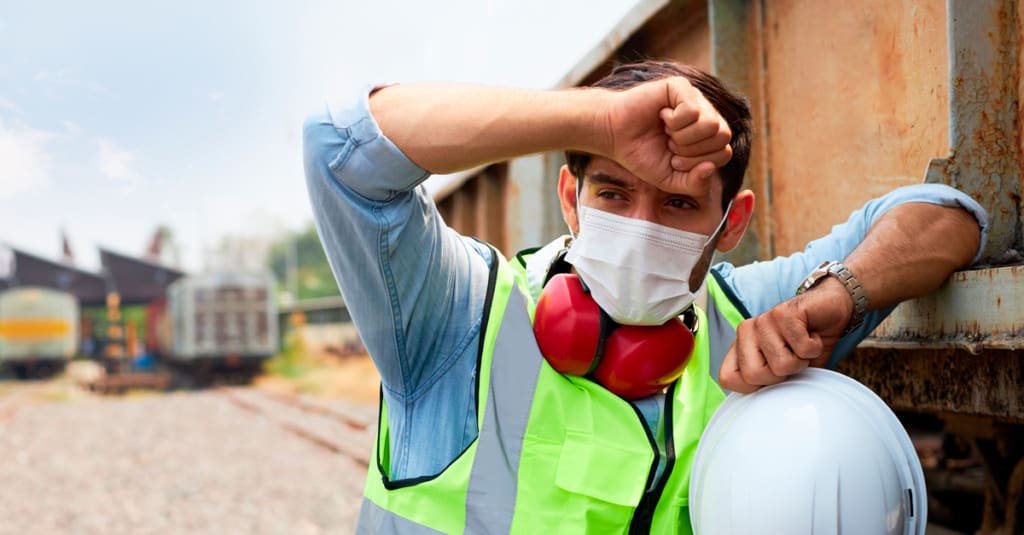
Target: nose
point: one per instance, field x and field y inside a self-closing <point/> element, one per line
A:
<point x="644" y="211"/>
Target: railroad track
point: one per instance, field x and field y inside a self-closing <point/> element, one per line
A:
<point x="321" y="425"/>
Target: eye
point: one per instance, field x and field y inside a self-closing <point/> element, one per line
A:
<point x="611" y="195"/>
<point x="680" y="203"/>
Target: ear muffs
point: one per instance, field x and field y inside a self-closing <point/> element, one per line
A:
<point x="578" y="338"/>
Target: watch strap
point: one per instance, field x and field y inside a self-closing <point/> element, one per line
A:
<point x="850" y="282"/>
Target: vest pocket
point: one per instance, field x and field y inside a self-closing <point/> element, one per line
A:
<point x="602" y="471"/>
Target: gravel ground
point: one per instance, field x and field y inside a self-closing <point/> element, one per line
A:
<point x="174" y="463"/>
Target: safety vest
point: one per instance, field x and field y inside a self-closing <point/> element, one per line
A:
<point x="554" y="453"/>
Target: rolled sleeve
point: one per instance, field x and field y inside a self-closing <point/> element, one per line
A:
<point x="348" y="135"/>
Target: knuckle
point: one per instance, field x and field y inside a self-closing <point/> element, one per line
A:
<point x="790" y="366"/>
<point x="756" y="373"/>
<point x="727" y="377"/>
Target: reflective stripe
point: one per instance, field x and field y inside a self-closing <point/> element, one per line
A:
<point x="374" y="520"/>
<point x="721" y="335"/>
<point x="723" y="316"/>
<point x="491" y="496"/>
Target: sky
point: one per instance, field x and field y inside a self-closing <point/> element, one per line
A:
<point x="117" y="116"/>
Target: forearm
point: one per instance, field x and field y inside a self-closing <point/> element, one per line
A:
<point x="911" y="250"/>
<point x="907" y="252"/>
<point x="449" y="127"/>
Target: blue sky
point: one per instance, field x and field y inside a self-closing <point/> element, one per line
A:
<point x="116" y="115"/>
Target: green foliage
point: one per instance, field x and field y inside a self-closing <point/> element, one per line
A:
<point x="292" y="362"/>
<point x="313" y="273"/>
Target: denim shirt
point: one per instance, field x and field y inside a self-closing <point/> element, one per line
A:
<point x="415" y="288"/>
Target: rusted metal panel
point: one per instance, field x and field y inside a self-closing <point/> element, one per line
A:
<point x="688" y="40"/>
<point x="856" y="95"/>
<point x="984" y="158"/>
<point x="490" y="213"/>
<point x="736" y="56"/>
<point x="534" y="216"/>
<point x="947" y="380"/>
<point x="974" y="310"/>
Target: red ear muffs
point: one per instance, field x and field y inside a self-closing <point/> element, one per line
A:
<point x="567" y="324"/>
<point x="631" y="361"/>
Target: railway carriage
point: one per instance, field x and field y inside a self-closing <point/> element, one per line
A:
<point x="219" y="322"/>
<point x="39" y="330"/>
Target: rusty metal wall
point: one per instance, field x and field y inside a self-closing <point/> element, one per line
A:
<point x="479" y="207"/>
<point x="856" y="98"/>
<point x="850" y="100"/>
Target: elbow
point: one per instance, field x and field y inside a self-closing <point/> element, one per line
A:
<point x="313" y="136"/>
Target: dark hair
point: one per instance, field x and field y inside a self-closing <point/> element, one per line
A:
<point x="731" y="105"/>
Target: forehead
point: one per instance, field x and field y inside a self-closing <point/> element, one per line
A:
<point x="601" y="169"/>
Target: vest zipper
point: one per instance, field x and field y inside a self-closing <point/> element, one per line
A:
<point x="643" y="515"/>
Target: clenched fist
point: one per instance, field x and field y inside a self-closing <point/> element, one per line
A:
<point x="667" y="133"/>
<point x="798" y="333"/>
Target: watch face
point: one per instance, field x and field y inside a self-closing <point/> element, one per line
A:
<point x="819" y="272"/>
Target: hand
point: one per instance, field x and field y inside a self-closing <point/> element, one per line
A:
<point x="798" y="333"/>
<point x="667" y="133"/>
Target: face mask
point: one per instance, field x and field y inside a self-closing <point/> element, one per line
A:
<point x="639" y="272"/>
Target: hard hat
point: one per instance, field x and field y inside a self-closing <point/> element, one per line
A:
<point x="816" y="454"/>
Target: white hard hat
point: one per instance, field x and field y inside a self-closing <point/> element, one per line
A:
<point x="816" y="454"/>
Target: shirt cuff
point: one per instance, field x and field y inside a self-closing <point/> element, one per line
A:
<point x="942" y="195"/>
<point x="376" y="168"/>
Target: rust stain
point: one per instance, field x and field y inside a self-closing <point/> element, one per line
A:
<point x="944" y="380"/>
<point x="829" y="151"/>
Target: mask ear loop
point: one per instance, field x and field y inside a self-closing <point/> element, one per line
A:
<point x="700" y="268"/>
<point x="579" y="181"/>
<point x="721" y="225"/>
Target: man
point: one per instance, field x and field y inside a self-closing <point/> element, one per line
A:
<point x="480" y="435"/>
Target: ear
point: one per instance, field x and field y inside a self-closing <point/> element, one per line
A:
<point x="567" y="198"/>
<point x="736" y="220"/>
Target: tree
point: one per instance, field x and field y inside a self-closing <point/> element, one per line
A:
<point x="310" y="276"/>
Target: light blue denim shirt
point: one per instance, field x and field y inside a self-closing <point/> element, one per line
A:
<point x="415" y="288"/>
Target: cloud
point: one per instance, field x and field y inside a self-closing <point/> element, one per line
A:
<point x="215" y="96"/>
<point x="115" y="162"/>
<point x="24" y="161"/>
<point x="73" y="128"/>
<point x="52" y="81"/>
<point x="10" y="105"/>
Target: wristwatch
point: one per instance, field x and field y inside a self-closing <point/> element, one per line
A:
<point x="853" y="286"/>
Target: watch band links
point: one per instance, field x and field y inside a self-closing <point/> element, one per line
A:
<point x="850" y="282"/>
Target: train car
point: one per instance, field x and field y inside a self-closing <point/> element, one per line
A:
<point x="218" y="323"/>
<point x="38" y="330"/>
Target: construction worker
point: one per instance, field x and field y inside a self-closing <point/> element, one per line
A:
<point x="479" y="431"/>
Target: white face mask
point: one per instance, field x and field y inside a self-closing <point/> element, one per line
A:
<point x="639" y="272"/>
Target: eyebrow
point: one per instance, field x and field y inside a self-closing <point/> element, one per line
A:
<point x="605" y="179"/>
